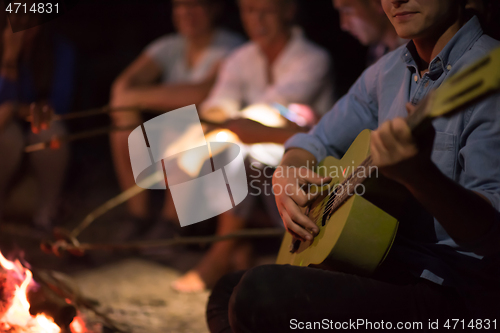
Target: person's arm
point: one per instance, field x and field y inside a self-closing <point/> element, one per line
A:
<point x="12" y="44"/>
<point x="168" y="96"/>
<point x="8" y="92"/>
<point x="333" y="135"/>
<point x="292" y="174"/>
<point x="135" y="87"/>
<point x="142" y="72"/>
<point x="467" y="214"/>
<point x="250" y="132"/>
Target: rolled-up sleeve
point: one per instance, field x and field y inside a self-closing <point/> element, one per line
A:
<point x="353" y="113"/>
<point x="479" y="159"/>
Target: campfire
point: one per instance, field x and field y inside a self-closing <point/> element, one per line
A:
<point x="25" y="309"/>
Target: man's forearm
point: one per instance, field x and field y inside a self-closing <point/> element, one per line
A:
<point x="168" y="97"/>
<point x="466" y="216"/>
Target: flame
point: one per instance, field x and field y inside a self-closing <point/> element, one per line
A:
<point x="264" y="114"/>
<point x="18" y="315"/>
<point x="191" y="161"/>
<point x="222" y="136"/>
<point x="8" y="265"/>
<point x="77" y="325"/>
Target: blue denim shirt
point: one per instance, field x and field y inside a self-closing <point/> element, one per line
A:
<point x="466" y="149"/>
<point x="61" y="92"/>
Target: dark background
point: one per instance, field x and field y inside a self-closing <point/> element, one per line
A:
<point x="108" y="35"/>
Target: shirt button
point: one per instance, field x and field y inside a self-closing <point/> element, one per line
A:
<point x="415" y="78"/>
<point x="448" y="67"/>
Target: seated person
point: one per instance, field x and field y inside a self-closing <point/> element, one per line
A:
<point x="366" y="21"/>
<point x="444" y="262"/>
<point x="186" y="64"/>
<point x="279" y="65"/>
<point x="37" y="67"/>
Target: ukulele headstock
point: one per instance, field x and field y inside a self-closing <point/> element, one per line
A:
<point x="478" y="79"/>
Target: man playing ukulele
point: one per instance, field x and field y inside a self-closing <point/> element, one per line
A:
<point x="440" y="268"/>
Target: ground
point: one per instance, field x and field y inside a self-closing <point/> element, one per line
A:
<point x="151" y="308"/>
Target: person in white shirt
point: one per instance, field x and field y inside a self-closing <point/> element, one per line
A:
<point x="185" y="65"/>
<point x="300" y="73"/>
<point x="278" y="65"/>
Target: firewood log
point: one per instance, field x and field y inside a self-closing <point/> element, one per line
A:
<point x="7" y="289"/>
<point x="45" y="301"/>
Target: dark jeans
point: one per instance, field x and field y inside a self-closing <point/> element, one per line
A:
<point x="282" y="298"/>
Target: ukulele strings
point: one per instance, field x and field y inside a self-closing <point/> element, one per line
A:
<point x="334" y="200"/>
<point x="344" y="186"/>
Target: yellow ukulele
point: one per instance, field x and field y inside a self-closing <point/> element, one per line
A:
<point x="355" y="235"/>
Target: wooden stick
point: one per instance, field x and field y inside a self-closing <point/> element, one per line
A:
<point x="78" y="136"/>
<point x="21" y="230"/>
<point x="93" y="112"/>
<point x="119" y="199"/>
<point x="49" y="303"/>
<point x="140" y="245"/>
<point x="103" y="110"/>
<point x="64" y="287"/>
<point x="97" y="111"/>
<point x="93" y="133"/>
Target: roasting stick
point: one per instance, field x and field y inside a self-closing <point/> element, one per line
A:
<point x="56" y="141"/>
<point x="60" y="285"/>
<point x="68" y="241"/>
<point x="102" y="110"/>
<point x="97" y="111"/>
<point x="62" y="245"/>
<point x="119" y="199"/>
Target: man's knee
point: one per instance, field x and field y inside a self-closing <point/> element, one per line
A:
<point x="217" y="306"/>
<point x="223" y="289"/>
<point x="256" y="295"/>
